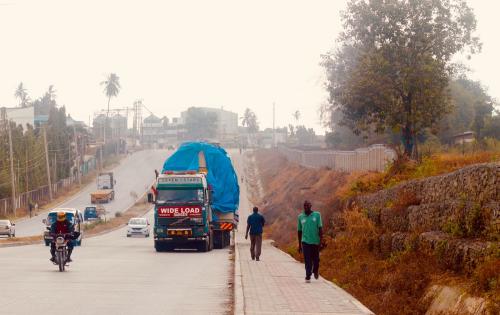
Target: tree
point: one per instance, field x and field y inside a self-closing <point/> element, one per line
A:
<point x="22" y="94"/>
<point x="111" y="89"/>
<point x="296" y="116"/>
<point x="472" y="108"/>
<point x="200" y="124"/>
<point x="250" y="121"/>
<point x="305" y="136"/>
<point x="51" y="92"/>
<point x="394" y="63"/>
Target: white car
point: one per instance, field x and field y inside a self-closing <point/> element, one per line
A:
<point x="138" y="226"/>
<point x="7" y="228"/>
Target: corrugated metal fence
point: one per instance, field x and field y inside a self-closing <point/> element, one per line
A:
<point x="374" y="158"/>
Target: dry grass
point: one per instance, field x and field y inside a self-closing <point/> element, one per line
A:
<point x="393" y="285"/>
<point x="404" y="170"/>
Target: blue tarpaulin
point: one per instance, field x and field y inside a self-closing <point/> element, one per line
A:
<point x="221" y="175"/>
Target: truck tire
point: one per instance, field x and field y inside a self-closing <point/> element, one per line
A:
<point x="158" y="246"/>
<point x="218" y="244"/>
<point x="204" y="246"/>
<point x="211" y="242"/>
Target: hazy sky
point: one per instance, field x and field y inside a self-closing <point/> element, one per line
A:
<point x="176" y="54"/>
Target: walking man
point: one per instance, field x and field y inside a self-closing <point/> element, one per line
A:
<point x="30" y="207"/>
<point x="255" y="224"/>
<point x="310" y="236"/>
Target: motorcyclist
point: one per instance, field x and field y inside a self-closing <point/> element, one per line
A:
<point x="61" y="226"/>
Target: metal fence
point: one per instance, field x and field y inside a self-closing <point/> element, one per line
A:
<point x="374" y="158"/>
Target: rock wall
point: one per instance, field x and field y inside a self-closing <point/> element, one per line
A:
<point x="456" y="215"/>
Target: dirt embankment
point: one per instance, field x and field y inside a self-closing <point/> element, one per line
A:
<point x="371" y="251"/>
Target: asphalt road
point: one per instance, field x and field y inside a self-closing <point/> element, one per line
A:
<point x="113" y="274"/>
<point x="133" y="177"/>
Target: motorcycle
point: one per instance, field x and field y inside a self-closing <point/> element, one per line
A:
<point x="61" y="244"/>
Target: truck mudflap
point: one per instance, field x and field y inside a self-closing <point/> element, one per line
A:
<point x="226" y="226"/>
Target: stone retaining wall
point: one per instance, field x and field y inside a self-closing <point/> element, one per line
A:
<point x="456" y="214"/>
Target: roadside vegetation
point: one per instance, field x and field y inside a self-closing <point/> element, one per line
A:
<point x="387" y="284"/>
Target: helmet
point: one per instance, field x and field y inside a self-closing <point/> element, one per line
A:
<point x="61" y="216"/>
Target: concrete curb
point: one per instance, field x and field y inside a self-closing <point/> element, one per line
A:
<point x="239" y="297"/>
<point x="20" y="244"/>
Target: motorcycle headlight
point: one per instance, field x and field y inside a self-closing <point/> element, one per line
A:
<point x="60" y="240"/>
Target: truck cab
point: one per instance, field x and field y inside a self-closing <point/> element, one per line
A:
<point x="105" y="189"/>
<point x="182" y="213"/>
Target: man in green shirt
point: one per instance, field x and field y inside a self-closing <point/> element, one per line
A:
<point x="310" y="236"/>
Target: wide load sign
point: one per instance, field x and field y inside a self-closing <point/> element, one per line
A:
<point x="173" y="212"/>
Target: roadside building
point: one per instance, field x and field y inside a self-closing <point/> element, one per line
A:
<point x="21" y="115"/>
<point x="227" y="124"/>
<point x="70" y="122"/>
<point x="152" y="130"/>
<point x="463" y="138"/>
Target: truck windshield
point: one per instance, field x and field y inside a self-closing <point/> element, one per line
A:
<point x="180" y="195"/>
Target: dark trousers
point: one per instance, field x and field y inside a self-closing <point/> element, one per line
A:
<point x="255" y="245"/>
<point x="311" y="258"/>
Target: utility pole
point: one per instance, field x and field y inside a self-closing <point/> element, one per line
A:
<point x="55" y="167"/>
<point x="274" y="127"/>
<point x="12" y="180"/>
<point x="47" y="161"/>
<point x="77" y="157"/>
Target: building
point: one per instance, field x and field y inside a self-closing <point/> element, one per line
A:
<point x="118" y="125"/>
<point x="70" y="122"/>
<point x="465" y="137"/>
<point x="227" y="123"/>
<point x="21" y="115"/>
<point x="265" y="137"/>
<point x="152" y="130"/>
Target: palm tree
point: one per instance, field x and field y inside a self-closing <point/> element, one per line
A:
<point x="51" y="92"/>
<point x="247" y="116"/>
<point x="296" y="115"/>
<point x="22" y="95"/>
<point x="249" y="120"/>
<point x="111" y="89"/>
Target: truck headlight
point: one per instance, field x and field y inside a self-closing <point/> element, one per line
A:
<point x="159" y="230"/>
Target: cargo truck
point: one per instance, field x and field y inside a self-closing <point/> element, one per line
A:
<point x="105" y="189"/>
<point x="196" y="199"/>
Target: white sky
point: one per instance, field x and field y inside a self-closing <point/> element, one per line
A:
<point x="176" y="54"/>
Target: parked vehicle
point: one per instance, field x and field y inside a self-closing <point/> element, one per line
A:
<point x="7" y="228"/>
<point x="105" y="189"/>
<point x="93" y="213"/>
<point x="61" y="243"/>
<point x="138" y="226"/>
<point x="196" y="202"/>
<point x="73" y="215"/>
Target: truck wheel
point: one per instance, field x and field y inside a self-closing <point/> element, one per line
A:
<point x="204" y="246"/>
<point x="158" y="246"/>
<point x="211" y="242"/>
<point x="217" y="240"/>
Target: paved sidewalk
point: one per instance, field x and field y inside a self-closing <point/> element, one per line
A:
<point x="276" y="285"/>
